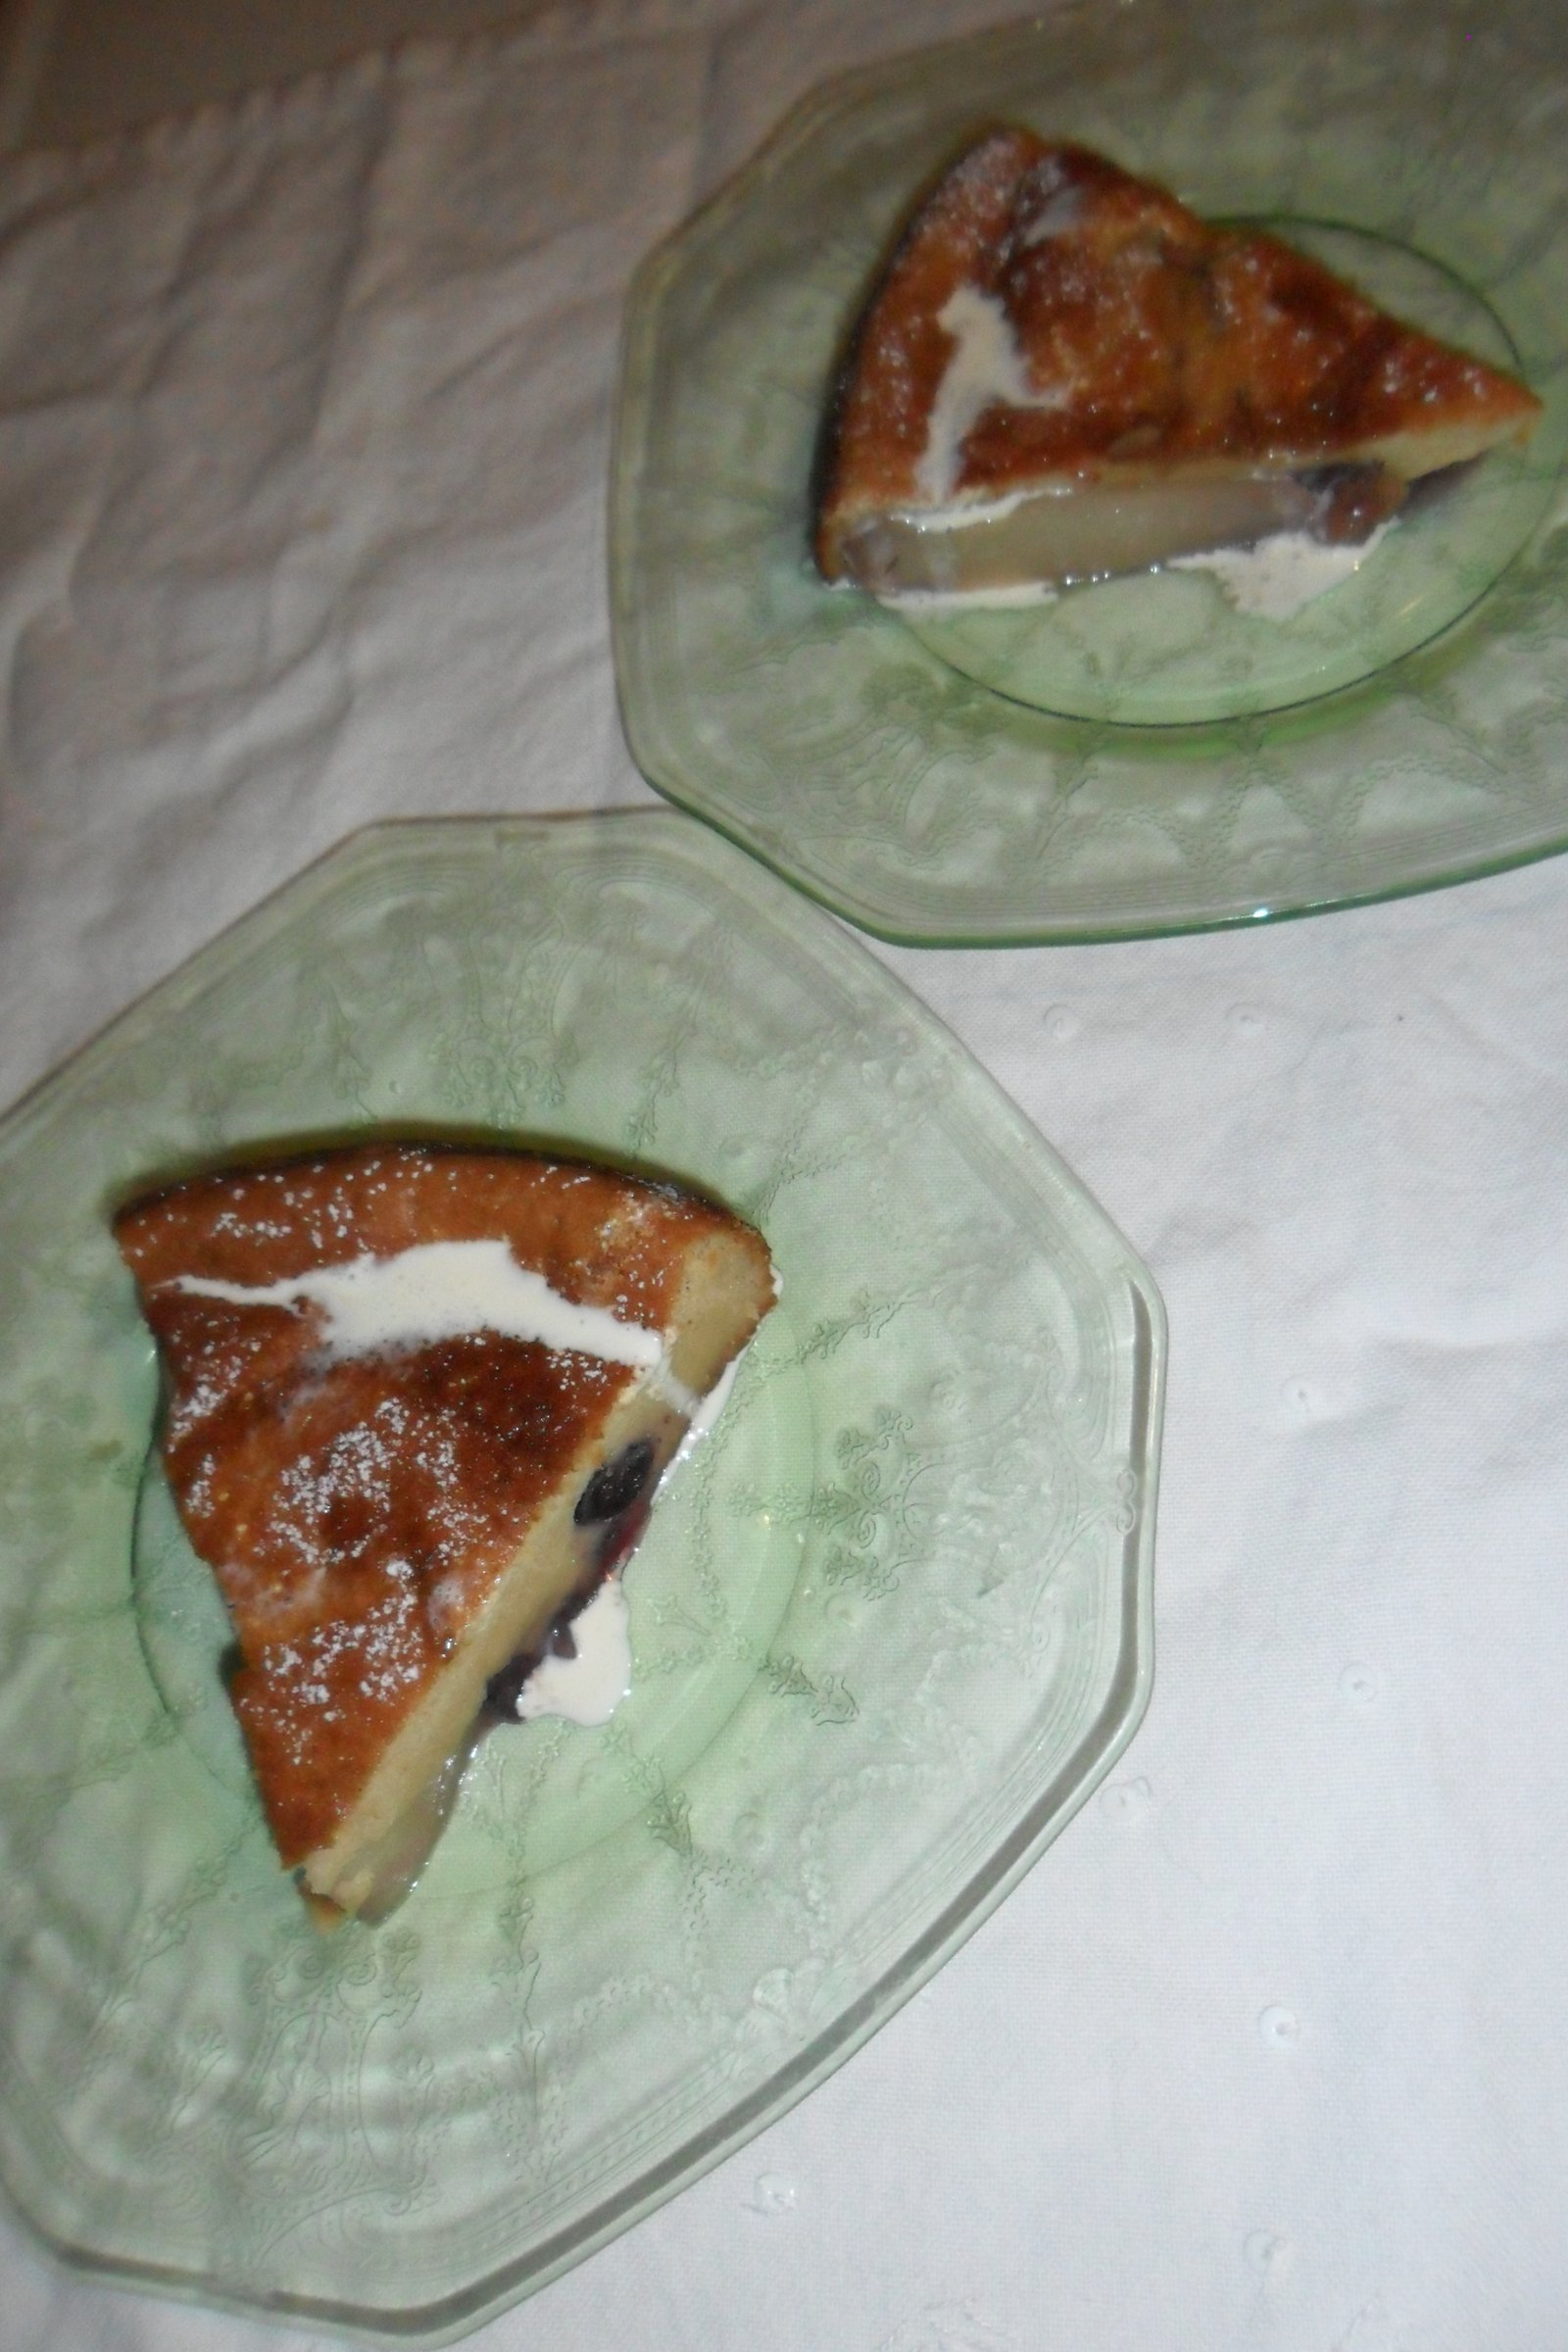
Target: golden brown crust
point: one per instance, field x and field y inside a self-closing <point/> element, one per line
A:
<point x="359" y="1511"/>
<point x="1154" y="344"/>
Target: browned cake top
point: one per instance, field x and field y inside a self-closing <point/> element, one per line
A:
<point x="1148" y="339"/>
<point x="358" y="1510"/>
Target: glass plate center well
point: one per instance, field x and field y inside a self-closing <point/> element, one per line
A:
<point x="1168" y="648"/>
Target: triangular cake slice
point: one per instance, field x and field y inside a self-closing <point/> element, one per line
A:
<point x="1065" y="374"/>
<point x="417" y="1400"/>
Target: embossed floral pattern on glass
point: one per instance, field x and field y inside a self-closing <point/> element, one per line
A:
<point x="1007" y="777"/>
<point x="889" y="1629"/>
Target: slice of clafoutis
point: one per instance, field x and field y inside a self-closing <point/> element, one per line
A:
<point x="416" y="1401"/>
<point x="1064" y="373"/>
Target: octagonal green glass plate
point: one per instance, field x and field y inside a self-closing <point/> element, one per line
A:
<point x="1138" y="758"/>
<point x="890" y="1626"/>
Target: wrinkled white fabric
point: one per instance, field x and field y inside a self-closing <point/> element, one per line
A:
<point x="304" y="418"/>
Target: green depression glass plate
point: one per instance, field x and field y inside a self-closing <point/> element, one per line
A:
<point x="890" y="1626"/>
<point x="1138" y="756"/>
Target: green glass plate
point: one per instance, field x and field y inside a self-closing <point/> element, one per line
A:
<point x="890" y="1626"/>
<point x="1136" y="757"/>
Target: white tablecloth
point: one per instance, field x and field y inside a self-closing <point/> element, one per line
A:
<point x="304" y="413"/>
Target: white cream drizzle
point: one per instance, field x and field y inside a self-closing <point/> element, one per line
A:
<point x="441" y="1291"/>
<point x="586" y="1689"/>
<point x="986" y="366"/>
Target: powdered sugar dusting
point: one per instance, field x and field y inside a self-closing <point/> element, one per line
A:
<point x="343" y="1665"/>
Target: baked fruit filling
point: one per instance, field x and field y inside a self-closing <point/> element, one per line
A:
<point x="417" y="1404"/>
<point x="1064" y="373"/>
